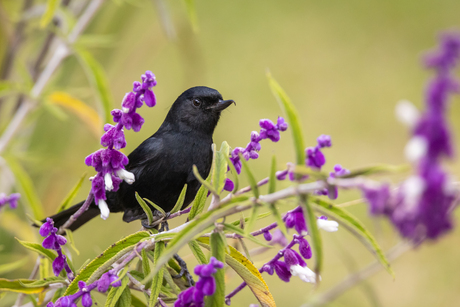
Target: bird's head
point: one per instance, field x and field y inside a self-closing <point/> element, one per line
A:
<point x="197" y="109"/>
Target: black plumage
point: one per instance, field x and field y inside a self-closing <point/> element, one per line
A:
<point x="163" y="163"/>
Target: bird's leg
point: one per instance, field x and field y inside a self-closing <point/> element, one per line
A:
<point x="164" y="224"/>
<point x="158" y="218"/>
<point x="183" y="270"/>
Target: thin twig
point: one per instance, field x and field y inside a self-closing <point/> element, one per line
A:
<point x="61" y="52"/>
<point x="77" y="214"/>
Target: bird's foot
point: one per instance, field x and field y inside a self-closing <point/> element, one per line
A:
<point x="158" y="218"/>
<point x="183" y="271"/>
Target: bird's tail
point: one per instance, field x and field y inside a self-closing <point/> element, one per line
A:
<point x="62" y="217"/>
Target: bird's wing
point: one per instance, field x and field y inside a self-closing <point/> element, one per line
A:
<point x="148" y="151"/>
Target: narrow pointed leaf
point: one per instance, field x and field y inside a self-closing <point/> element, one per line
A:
<point x="158" y="208"/>
<point x="314" y="233"/>
<point x="26" y="187"/>
<point x="145" y="207"/>
<point x="352" y="224"/>
<point x="71" y="241"/>
<point x="43" y="282"/>
<point x="180" y="200"/>
<point x="239" y="231"/>
<point x="16" y="285"/>
<point x="145" y="265"/>
<point x="218" y="245"/>
<point x="197" y="252"/>
<point x="191" y="11"/>
<point x="98" y="79"/>
<point x="68" y="200"/>
<point x="199" y="202"/>
<point x="158" y="277"/>
<point x="272" y="178"/>
<point x="246" y="219"/>
<point x="39" y="249"/>
<point x="51" y="7"/>
<point x="115" y="293"/>
<point x="377" y="169"/>
<point x="13" y="266"/>
<point x="292" y="117"/>
<point x="125" y="299"/>
<point x="204" y="182"/>
<point x="252" y="219"/>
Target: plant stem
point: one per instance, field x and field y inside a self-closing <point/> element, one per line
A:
<point x="77" y="214"/>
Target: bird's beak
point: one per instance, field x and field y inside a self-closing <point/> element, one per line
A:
<point x="221" y="105"/>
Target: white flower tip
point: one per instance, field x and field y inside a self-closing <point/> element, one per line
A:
<point x="104" y="209"/>
<point x="125" y="110"/>
<point x="126" y="176"/>
<point x="304" y="273"/>
<point x="407" y="113"/>
<point x="329" y="226"/>
<point x="413" y="188"/>
<point x="416" y="148"/>
<point x="108" y="182"/>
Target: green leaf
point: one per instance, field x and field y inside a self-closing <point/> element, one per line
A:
<point x="168" y="278"/>
<point x="219" y="170"/>
<point x="102" y="262"/>
<point x="39" y="249"/>
<point x="180" y="200"/>
<point x="71" y="240"/>
<point x="125" y="299"/>
<point x="377" y="169"/>
<point x="145" y="207"/>
<point x="115" y="293"/>
<point x="251" y="178"/>
<point x="239" y="231"/>
<point x="197" y="252"/>
<point x="313" y="231"/>
<point x="44" y="282"/>
<point x="145" y="265"/>
<point x="236" y="180"/>
<point x="191" y="11"/>
<point x="158" y="277"/>
<point x="158" y="208"/>
<point x="98" y="79"/>
<point x="292" y="118"/>
<point x="136" y="302"/>
<point x="68" y="200"/>
<point x="26" y="187"/>
<point x="353" y="225"/>
<point x="252" y="219"/>
<point x="272" y="178"/>
<point x="248" y="272"/>
<point x="16" y="285"/>
<point x="203" y="182"/>
<point x="218" y="247"/>
<point x="199" y="202"/>
<point x="51" y="6"/>
<point x="13" y="266"/>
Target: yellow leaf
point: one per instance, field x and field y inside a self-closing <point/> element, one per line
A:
<point x="87" y="114"/>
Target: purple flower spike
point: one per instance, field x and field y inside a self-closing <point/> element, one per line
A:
<point x="229" y="185"/>
<point x="304" y="248"/>
<point x="86" y="300"/>
<point x="12" y="200"/>
<point x="324" y="141"/>
<point x="281" y="125"/>
<point x="282" y="270"/>
<point x="315" y="158"/>
<point x="45" y="229"/>
<point x="290" y="257"/>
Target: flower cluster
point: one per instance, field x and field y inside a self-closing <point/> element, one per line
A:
<point x="12" y="200"/>
<point x="54" y="242"/>
<point x="109" y="163"/>
<point x="268" y="130"/>
<point x="296" y="219"/>
<point x="420" y="208"/>
<point x="293" y="264"/>
<point x="194" y="296"/>
<point x="102" y="285"/>
<point x="314" y="156"/>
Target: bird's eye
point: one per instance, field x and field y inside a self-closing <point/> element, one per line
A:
<point x="196" y="102"/>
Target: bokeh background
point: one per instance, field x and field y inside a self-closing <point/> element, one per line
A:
<point x="344" y="64"/>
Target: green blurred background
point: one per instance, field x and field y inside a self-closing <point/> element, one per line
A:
<point x="345" y="64"/>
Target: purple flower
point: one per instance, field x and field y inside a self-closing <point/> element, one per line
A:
<point x="229" y="185"/>
<point x="267" y="235"/>
<point x="194" y="296"/>
<point x="315" y="158"/>
<point x="12" y="200"/>
<point x="324" y="141"/>
<point x="282" y="270"/>
<point x="295" y="219"/>
<point x="304" y="248"/>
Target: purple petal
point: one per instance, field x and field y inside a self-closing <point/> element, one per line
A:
<point x="103" y="283"/>
<point x="267" y="236"/>
<point x="49" y="242"/>
<point x="149" y="98"/>
<point x="290" y="257"/>
<point x="86" y="300"/>
<point x="46" y="228"/>
<point x="305" y="249"/>
<point x="282" y="270"/>
<point x="229" y="185"/>
<point x="58" y="264"/>
<point x="137" y="122"/>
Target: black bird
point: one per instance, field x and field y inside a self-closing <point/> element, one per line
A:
<point x="163" y="163"/>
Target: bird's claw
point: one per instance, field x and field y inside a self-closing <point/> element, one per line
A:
<point x="183" y="271"/>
